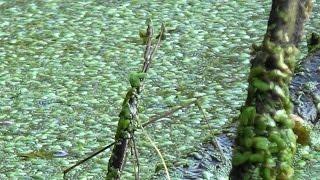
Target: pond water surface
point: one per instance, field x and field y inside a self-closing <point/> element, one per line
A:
<point x="64" y="68"/>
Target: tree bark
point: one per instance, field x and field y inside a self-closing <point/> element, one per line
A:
<point x="265" y="143"/>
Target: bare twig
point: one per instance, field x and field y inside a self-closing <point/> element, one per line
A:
<point x="168" y="113"/>
<point x="158" y="152"/>
<point x="87" y="158"/>
<point x="136" y="157"/>
<point x="159" y="40"/>
<point x="149" y="51"/>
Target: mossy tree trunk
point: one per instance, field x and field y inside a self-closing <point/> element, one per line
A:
<point x="265" y="143"/>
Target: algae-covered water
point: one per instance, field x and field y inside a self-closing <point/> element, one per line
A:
<point x="63" y="75"/>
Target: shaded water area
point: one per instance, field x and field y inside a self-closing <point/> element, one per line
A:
<point x="306" y="89"/>
<point x="64" y="69"/>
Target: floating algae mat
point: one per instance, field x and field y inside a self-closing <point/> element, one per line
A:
<point x="64" y="69"/>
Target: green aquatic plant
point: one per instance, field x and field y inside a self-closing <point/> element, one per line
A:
<point x="143" y="36"/>
<point x="41" y="153"/>
<point x="135" y="79"/>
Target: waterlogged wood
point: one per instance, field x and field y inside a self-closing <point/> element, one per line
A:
<point x="266" y="143"/>
<point x="129" y="112"/>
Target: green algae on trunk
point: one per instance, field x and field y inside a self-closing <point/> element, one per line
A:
<point x="265" y="143"/>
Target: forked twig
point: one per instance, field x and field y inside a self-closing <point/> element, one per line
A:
<point x="149" y="51"/>
<point x="158" y="43"/>
<point x="148" y="48"/>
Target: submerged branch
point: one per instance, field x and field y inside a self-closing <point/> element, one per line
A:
<point x="129" y="112"/>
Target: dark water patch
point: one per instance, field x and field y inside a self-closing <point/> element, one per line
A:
<point x="207" y="162"/>
<point x="305" y="89"/>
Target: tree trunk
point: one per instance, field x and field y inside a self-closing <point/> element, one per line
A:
<point x="265" y="143"/>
